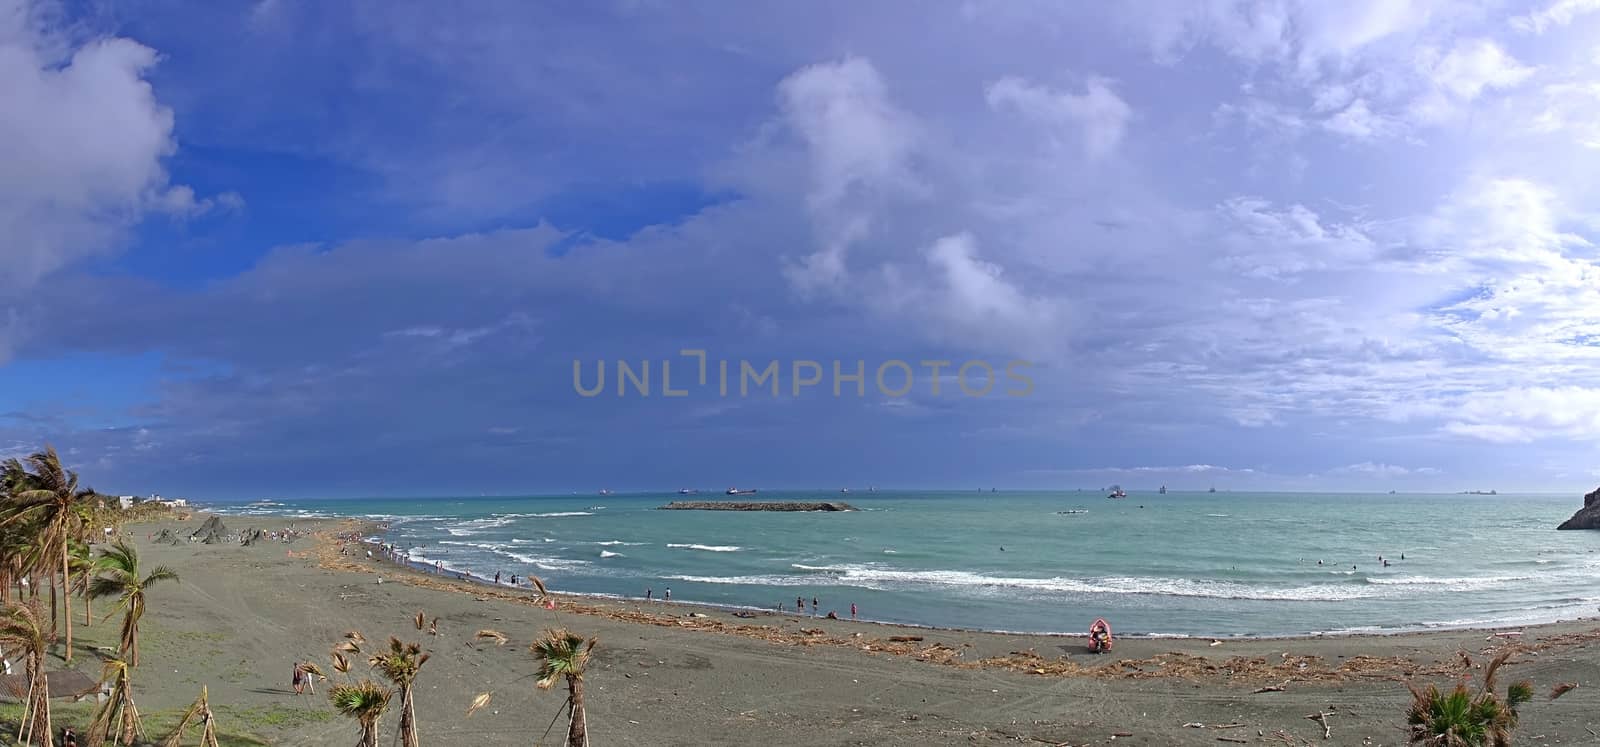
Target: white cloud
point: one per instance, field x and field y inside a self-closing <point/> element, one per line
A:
<point x="859" y="147"/>
<point x="1378" y="469"/>
<point x="1358" y="121"/>
<point x="82" y="137"/>
<point x="1098" y="111"/>
<point x="1474" y="65"/>
<point x="1558" y="13"/>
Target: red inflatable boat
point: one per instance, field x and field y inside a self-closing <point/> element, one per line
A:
<point x="1100" y="636"/>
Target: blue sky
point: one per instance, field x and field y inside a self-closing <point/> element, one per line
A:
<point x="295" y="248"/>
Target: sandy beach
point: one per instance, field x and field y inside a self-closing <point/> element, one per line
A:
<point x="669" y="674"/>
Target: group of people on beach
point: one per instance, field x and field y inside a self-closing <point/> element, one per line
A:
<point x="816" y="607"/>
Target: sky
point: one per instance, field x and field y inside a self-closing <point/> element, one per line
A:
<point x="285" y="248"/>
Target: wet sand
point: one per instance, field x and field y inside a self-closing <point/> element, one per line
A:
<point x="670" y="674"/>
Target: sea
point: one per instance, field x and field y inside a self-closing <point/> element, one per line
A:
<point x="1178" y="564"/>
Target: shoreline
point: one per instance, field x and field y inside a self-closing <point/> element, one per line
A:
<point x="371" y="529"/>
<point x="685" y="674"/>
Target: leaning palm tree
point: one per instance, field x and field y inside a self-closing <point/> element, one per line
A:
<point x="116" y="722"/>
<point x="363" y="701"/>
<point x="50" y="494"/>
<point x="23" y="628"/>
<point x="198" y="713"/>
<point x="400" y="665"/>
<point x="563" y="654"/>
<point x="120" y="566"/>
<point x="1462" y="718"/>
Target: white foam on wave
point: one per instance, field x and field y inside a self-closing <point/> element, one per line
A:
<point x="610" y="554"/>
<point x="1451" y="583"/>
<point x="616" y="543"/>
<point x="557" y="514"/>
<point x="878" y="577"/>
<point x="707" y="548"/>
<point x="543" y="562"/>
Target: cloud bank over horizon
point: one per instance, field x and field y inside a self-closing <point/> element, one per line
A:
<point x="294" y="249"/>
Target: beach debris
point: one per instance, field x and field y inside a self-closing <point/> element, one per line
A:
<point x="905" y="638"/>
<point x="340" y="663"/>
<point x="349" y="647"/>
<point x="698" y="614"/>
<point x="433" y="628"/>
<point x="1562" y="689"/>
<point x="355" y="635"/>
<point x="478" y="703"/>
<point x="1235" y="740"/>
<point x="420" y="620"/>
<point x="1216" y="643"/>
<point x="498" y="637"/>
<point x="1194" y="725"/>
<point x="1270" y="688"/>
<point x="1322" y="718"/>
<point x="198" y="713"/>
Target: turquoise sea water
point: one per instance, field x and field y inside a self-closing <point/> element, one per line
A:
<point x="1180" y="564"/>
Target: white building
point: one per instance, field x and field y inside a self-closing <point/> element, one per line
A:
<point x="125" y="501"/>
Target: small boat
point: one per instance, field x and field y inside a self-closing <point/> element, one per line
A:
<point x="1213" y="489"/>
<point x="1163" y="490"/>
<point x="1074" y="511"/>
<point x="844" y="490"/>
<point x="605" y="492"/>
<point x="1117" y="492"/>
<point x="1100" y="640"/>
<point x="686" y="491"/>
<point x="736" y="491"/>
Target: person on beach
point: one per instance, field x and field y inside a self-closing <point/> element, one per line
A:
<point x="298" y="680"/>
<point x="69" y="738"/>
<point x="852" y="610"/>
<point x="667" y="597"/>
<point x="814" y="606"/>
<point x="799" y="605"/>
<point x="497" y="578"/>
<point x="649" y="594"/>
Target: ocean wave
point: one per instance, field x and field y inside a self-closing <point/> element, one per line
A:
<point x="877" y="577"/>
<point x="555" y="514"/>
<point x="707" y="548"/>
<point x="540" y="561"/>
<point x="610" y="554"/>
<point x="616" y="543"/>
<point x="1452" y="583"/>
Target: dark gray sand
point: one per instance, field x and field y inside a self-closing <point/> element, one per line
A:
<point x="242" y="615"/>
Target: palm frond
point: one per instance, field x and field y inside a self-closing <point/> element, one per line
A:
<point x="478" y="703"/>
<point x="421" y="620"/>
<point x="1562" y="689"/>
<point x="498" y="637"/>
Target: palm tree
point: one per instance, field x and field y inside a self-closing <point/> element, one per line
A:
<point x="50" y="493"/>
<point x="400" y="665"/>
<point x="363" y="701"/>
<point x="563" y="654"/>
<point x="22" y="628"/>
<point x="117" y="719"/>
<point x="1462" y="718"/>
<point x="84" y="565"/>
<point x="120" y="564"/>
<point x="199" y="712"/>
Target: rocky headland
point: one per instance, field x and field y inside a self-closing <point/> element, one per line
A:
<point x="757" y="506"/>
<point x="1587" y="517"/>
